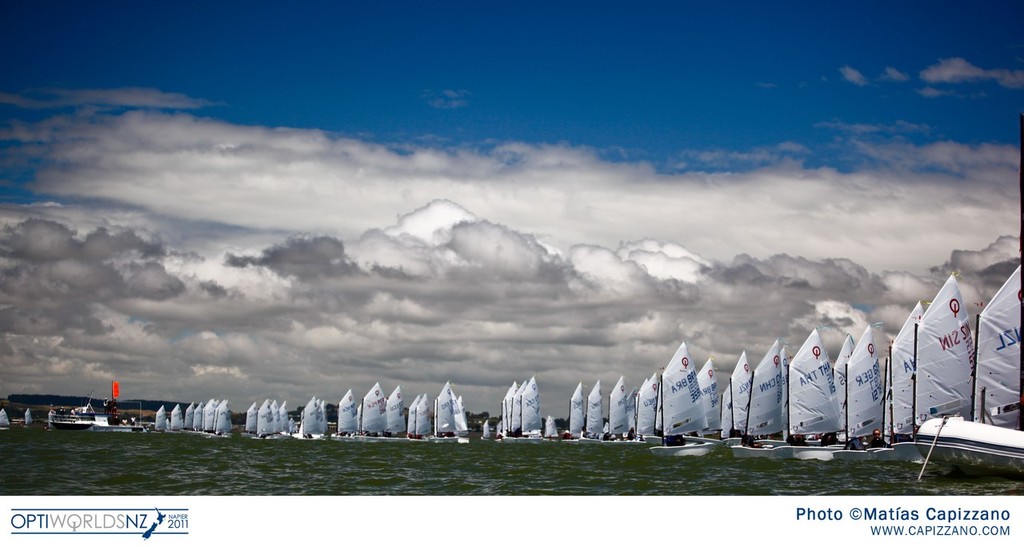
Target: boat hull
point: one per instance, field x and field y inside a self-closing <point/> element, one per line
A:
<point x="701" y="449"/>
<point x="975" y="449"/>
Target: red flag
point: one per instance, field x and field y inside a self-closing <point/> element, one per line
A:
<point x="115" y="389"/>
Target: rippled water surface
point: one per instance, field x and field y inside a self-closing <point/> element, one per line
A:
<point x="54" y="463"/>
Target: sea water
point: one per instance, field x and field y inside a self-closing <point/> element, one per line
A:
<point x="60" y="463"/>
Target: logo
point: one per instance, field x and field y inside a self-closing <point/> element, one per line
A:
<point x="144" y="522"/>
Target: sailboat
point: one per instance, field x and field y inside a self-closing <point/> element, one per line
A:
<point x="577" y="411"/>
<point x="813" y="407"/>
<point x="864" y="399"/>
<point x="313" y="424"/>
<point x="373" y="414"/>
<point x="550" y="430"/>
<point x="348" y="422"/>
<point x="902" y="371"/>
<point x="188" y="421"/>
<point x="177" y="422"/>
<point x="594" y="417"/>
<point x="251" y="416"/>
<point x="945" y="360"/>
<point x="709" y="395"/>
<point x="486" y="427"/>
<point x="28" y="417"/>
<point x="647" y="410"/>
<point x="197" y="417"/>
<point x="222" y="420"/>
<point x="446" y="407"/>
<point x="420" y="425"/>
<point x="681" y="409"/>
<point x="5" y="422"/>
<point x="764" y="402"/>
<point x="992" y="444"/>
<point x="735" y="399"/>
<point x="619" y="405"/>
<point x="395" y="428"/>
<point x="526" y="418"/>
<point x="161" y="419"/>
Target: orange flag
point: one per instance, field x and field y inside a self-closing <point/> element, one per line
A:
<point x="115" y="389"/>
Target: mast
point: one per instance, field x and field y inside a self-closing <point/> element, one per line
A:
<point x="892" y="403"/>
<point x="974" y="372"/>
<point x="913" y="381"/>
<point x="750" y="397"/>
<point x="1020" y="171"/>
<point x="661" y="407"/>
<point x="846" y="398"/>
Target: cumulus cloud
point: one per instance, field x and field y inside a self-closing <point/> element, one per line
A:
<point x="192" y="258"/>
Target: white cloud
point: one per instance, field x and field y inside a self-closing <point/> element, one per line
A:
<point x="893" y="75"/>
<point x="853" y="75"/>
<point x="957" y="70"/>
<point x="241" y="262"/>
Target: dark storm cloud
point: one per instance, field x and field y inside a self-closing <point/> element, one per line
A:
<point x="304" y="257"/>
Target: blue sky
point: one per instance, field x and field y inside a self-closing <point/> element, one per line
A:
<point x="409" y="193"/>
<point x="648" y="81"/>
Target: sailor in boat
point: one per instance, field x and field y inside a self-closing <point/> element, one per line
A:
<point x="855" y="444"/>
<point x="673" y="440"/>
<point x="877" y="441"/>
<point x="796" y="440"/>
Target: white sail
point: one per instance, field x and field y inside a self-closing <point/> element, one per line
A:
<point x="709" y="395"/>
<point x="5" y="422"/>
<point x="901" y="374"/>
<point x="461" y="426"/>
<point x="374" y="411"/>
<point x="444" y="411"/>
<point x="577" y="409"/>
<point x="177" y="422"/>
<point x="314" y="423"/>
<point x="410" y="426"/>
<point x="864" y="395"/>
<point x="161" y="419"/>
<point x="210" y="415"/>
<point x="506" y="409"/>
<point x="740" y="393"/>
<point x="190" y="416"/>
<point x="486" y="434"/>
<point x="532" y="421"/>
<point x="813" y="406"/>
<point x="275" y="416"/>
<point x="517" y="410"/>
<point x="945" y="356"/>
<point x="765" y="414"/>
<point x="266" y="420"/>
<point x="197" y="417"/>
<point x="997" y="396"/>
<point x="28" y="416"/>
<point x="395" y="412"/>
<point x="222" y="419"/>
<point x="550" y="431"/>
<point x="682" y="408"/>
<point x="727" y="412"/>
<point x="423" y="422"/>
<point x="647" y="406"/>
<point x="282" y="418"/>
<point x="251" y="416"/>
<point x="617" y="420"/>
<point x="839" y="370"/>
<point x="348" y="412"/>
<point x="595" y="410"/>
